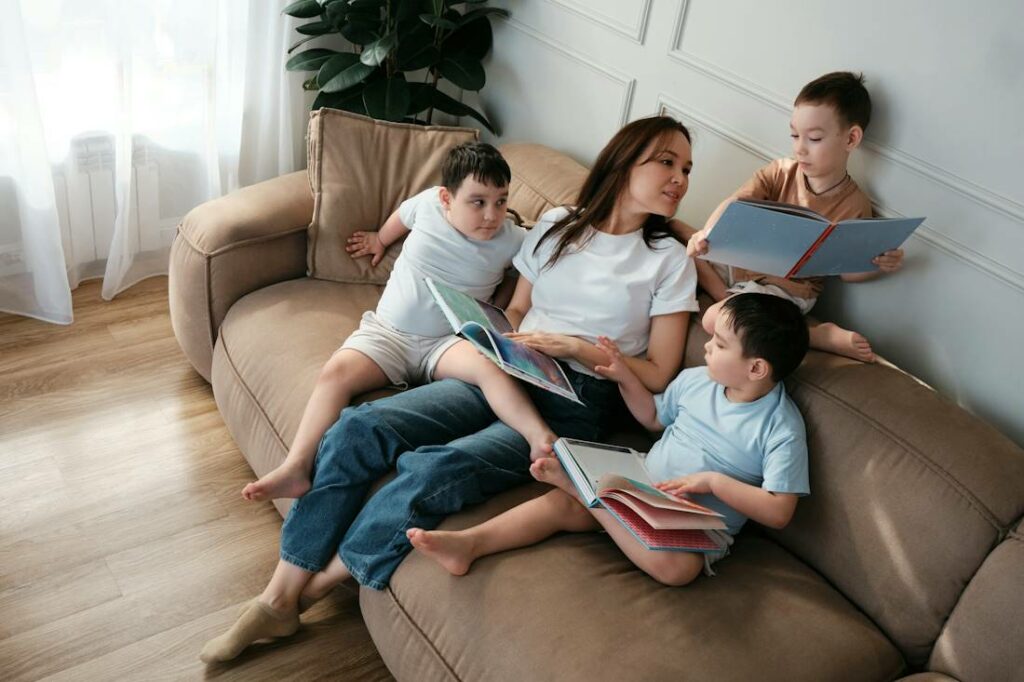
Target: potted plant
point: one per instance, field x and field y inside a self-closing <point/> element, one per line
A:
<point x="391" y="40"/>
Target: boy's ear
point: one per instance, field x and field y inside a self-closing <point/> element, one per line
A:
<point x="854" y="136"/>
<point x="759" y="369"/>
<point x="446" y="198"/>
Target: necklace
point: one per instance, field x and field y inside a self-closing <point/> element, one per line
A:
<point x="825" y="191"/>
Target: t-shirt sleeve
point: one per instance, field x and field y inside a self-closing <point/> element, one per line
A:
<point x="785" y="462"/>
<point x="676" y="291"/>
<point x="667" y="404"/>
<point x="530" y="260"/>
<point x="407" y="209"/>
<point x="763" y="184"/>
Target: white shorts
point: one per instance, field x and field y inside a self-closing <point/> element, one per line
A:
<point x="751" y="287"/>
<point x="723" y="538"/>
<point x="404" y="358"/>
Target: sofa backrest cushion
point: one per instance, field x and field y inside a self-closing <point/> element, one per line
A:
<point x="909" y="494"/>
<point x="982" y="639"/>
<point x="360" y="170"/>
<point x="541" y="179"/>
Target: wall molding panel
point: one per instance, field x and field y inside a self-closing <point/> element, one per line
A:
<point x="635" y="31"/>
<point x="984" y="197"/>
<point x="627" y="83"/>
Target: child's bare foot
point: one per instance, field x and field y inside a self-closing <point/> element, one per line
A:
<point x="453" y="550"/>
<point x="540" y="445"/>
<point x="549" y="470"/>
<point x="834" y="339"/>
<point x="285" y="481"/>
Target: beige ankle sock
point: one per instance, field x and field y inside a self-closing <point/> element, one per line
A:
<point x="256" y="623"/>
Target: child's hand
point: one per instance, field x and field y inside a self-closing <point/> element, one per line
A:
<point x="694" y="484"/>
<point x="890" y="261"/>
<point x="366" y="244"/>
<point x="697" y="244"/>
<point x="617" y="370"/>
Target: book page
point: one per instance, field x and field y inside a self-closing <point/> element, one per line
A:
<point x="461" y="309"/>
<point x="596" y="460"/>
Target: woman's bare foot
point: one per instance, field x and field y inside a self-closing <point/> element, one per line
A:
<point x="834" y="339"/>
<point x="286" y="481"/>
<point x="549" y="470"/>
<point x="540" y="445"/>
<point x="453" y="550"/>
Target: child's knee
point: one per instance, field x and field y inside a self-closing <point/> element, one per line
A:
<point x="677" y="570"/>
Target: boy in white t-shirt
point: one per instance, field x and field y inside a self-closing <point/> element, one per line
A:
<point x="459" y="234"/>
<point x="732" y="439"/>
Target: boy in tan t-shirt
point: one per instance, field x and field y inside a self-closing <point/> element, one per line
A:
<point x="829" y="118"/>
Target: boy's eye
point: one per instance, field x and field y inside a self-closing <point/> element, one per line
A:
<point x="687" y="171"/>
<point x="794" y="135"/>
<point x="814" y="139"/>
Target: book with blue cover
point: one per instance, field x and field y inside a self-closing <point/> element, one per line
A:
<point x="786" y="240"/>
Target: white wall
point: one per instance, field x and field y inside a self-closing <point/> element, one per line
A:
<point x="946" y="141"/>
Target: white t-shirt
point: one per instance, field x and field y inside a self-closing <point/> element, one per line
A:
<point x="612" y="287"/>
<point x="437" y="250"/>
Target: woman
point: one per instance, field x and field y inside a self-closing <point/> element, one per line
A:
<point x="608" y="267"/>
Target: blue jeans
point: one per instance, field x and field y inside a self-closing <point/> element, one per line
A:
<point x="450" y="451"/>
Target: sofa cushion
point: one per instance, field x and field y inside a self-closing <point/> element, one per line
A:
<point x="360" y="170"/>
<point x="909" y="493"/>
<point x="541" y="179"/>
<point x="271" y="347"/>
<point x="574" y="608"/>
<point x="982" y="638"/>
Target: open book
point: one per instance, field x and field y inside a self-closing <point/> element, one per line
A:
<point x="485" y="326"/>
<point x="792" y="241"/>
<point x="614" y="477"/>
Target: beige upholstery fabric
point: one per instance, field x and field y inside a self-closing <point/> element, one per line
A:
<point x="271" y="348"/>
<point x="230" y="246"/>
<point x="577" y="609"/>
<point x="984" y="638"/>
<point x="360" y="170"/>
<point x="541" y="179"/>
<point x="908" y="494"/>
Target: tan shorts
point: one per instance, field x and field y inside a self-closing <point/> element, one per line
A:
<point x="711" y="557"/>
<point x="404" y="358"/>
<point x="749" y="287"/>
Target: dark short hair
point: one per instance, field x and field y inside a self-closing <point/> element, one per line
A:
<point x="477" y="159"/>
<point x="843" y="91"/>
<point x="770" y="328"/>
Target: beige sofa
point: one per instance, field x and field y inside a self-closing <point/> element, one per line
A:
<point x="907" y="558"/>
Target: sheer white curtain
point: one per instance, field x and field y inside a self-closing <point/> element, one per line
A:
<point x="116" y="118"/>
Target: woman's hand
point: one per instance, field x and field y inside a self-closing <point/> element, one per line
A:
<point x="890" y="261"/>
<point x="554" y="345"/>
<point x="697" y="244"/>
<point x="362" y="244"/>
<point x="617" y="370"/>
<point x="699" y="483"/>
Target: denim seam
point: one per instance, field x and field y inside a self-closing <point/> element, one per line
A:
<point x="301" y="563"/>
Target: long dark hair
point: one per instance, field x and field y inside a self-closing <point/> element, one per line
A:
<point x="606" y="182"/>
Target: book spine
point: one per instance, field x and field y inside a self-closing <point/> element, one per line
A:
<point x="810" y="252"/>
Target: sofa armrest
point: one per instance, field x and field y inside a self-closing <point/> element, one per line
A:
<point x="229" y="247"/>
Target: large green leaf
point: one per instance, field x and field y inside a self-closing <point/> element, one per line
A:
<point x="316" y="28"/>
<point x="310" y="60"/>
<point x="348" y="77"/>
<point x="448" y="105"/>
<point x="416" y="48"/>
<point x="387" y="99"/>
<point x="463" y="70"/>
<point x="349" y="100"/>
<point x="300" y="41"/>
<point x="473" y="39"/>
<point x="303" y="9"/>
<point x="335" y="65"/>
<point x="438" y="22"/>
<point x="421" y="97"/>
<point x="376" y="52"/>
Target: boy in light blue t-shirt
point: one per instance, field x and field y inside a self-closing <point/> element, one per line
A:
<point x="733" y="440"/>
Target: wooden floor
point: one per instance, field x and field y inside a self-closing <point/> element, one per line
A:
<point x="124" y="542"/>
